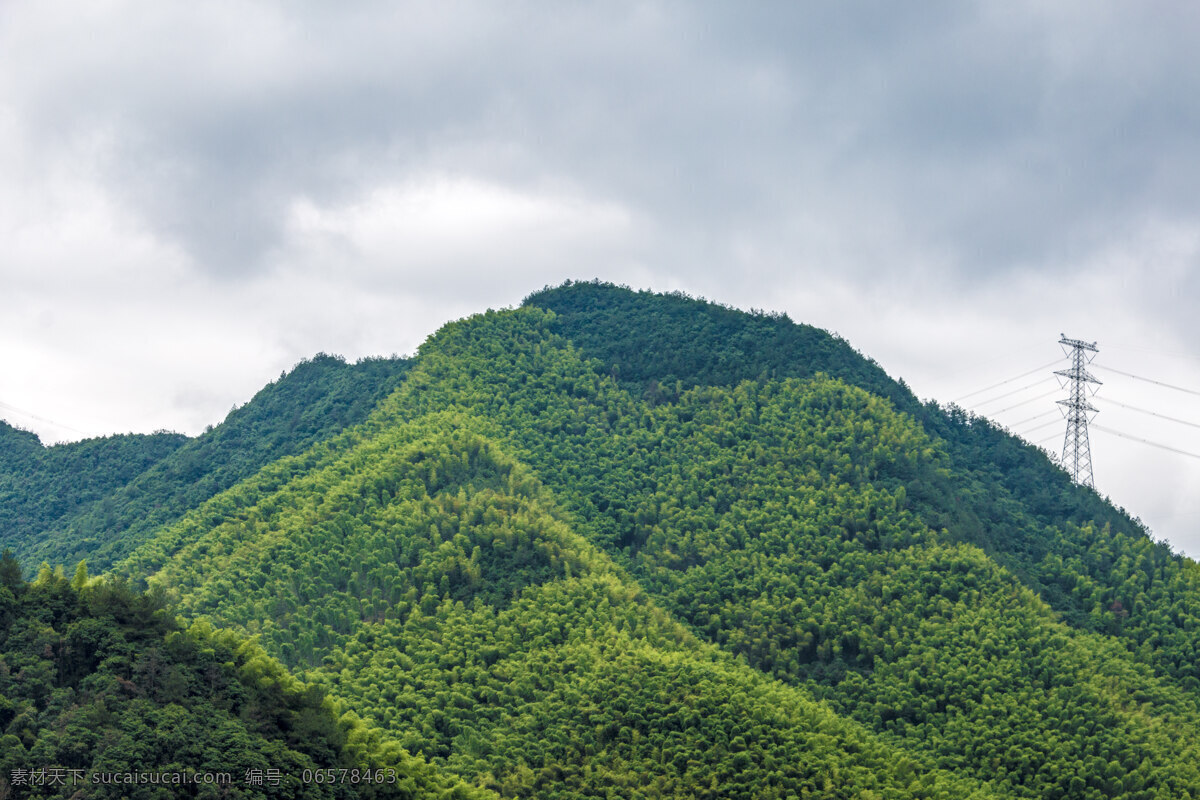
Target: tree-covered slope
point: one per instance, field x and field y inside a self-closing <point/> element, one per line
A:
<point x="763" y="514"/>
<point x="431" y="583"/>
<point x="318" y="398"/>
<point x="651" y="342"/>
<point x="41" y="487"/>
<point x="104" y="695"/>
<point x="512" y="509"/>
<point x="1088" y="560"/>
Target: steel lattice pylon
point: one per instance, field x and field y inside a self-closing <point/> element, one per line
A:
<point x="1077" y="452"/>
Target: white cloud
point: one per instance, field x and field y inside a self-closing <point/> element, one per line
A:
<point x="444" y="233"/>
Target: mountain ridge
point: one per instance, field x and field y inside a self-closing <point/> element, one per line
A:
<point x="315" y="399"/>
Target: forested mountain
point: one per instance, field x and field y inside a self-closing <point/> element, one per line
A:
<point x="42" y="486"/>
<point x="97" y="498"/>
<point x="1091" y="562"/>
<point x="617" y="544"/>
<point x="433" y="579"/>
<point x="658" y="345"/>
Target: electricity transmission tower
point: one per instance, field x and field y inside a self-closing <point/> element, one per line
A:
<point x="1076" y="452"/>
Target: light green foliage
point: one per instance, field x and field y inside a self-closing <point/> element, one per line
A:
<point x="430" y="582"/>
<point x="1090" y="561"/>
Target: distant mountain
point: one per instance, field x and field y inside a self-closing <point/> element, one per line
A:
<point x="619" y="543"/>
<point x="97" y="498"/>
<point x="43" y="487"/>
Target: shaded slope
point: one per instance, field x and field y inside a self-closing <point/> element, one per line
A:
<point x="650" y="341"/>
<point x="40" y="487"/>
<point x="315" y="400"/>
<point x="98" y="681"/>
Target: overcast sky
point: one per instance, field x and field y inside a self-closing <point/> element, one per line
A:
<point x="195" y="196"/>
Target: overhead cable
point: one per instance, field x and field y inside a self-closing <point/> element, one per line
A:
<point x="1148" y="380"/>
<point x="24" y="413"/>
<point x="1035" y="416"/>
<point x="1009" y="380"/>
<point x="1152" y="413"/>
<point x="1027" y="402"/>
<point x="1010" y="393"/>
<point x="1153" y="350"/>
<point x="1039" y="427"/>
<point x="1145" y="441"/>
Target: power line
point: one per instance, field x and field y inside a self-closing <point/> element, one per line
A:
<point x="42" y="419"/>
<point x="1154" y="350"/>
<point x="1035" y="416"/>
<point x="1008" y="355"/>
<point x="1039" y="427"/>
<point x="1009" y="380"/>
<point x="1026" y="402"/>
<point x="1145" y="441"/>
<point x="1153" y="413"/>
<point x="1010" y="393"/>
<point x="1149" y="380"/>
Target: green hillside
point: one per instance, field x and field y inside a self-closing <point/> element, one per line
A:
<point x="659" y="345"/>
<point x="40" y="487"/>
<point x="98" y="498"/>
<point x="617" y="544"/>
<point x="783" y="522"/>
<point x="432" y="584"/>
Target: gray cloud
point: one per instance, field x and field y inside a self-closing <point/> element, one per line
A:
<point x="999" y="136"/>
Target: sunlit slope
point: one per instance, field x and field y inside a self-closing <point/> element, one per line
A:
<point x="430" y="582"/>
<point x="786" y="522"/>
<point x="108" y="495"/>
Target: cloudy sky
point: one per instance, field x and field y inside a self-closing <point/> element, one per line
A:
<point x="195" y="196"/>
